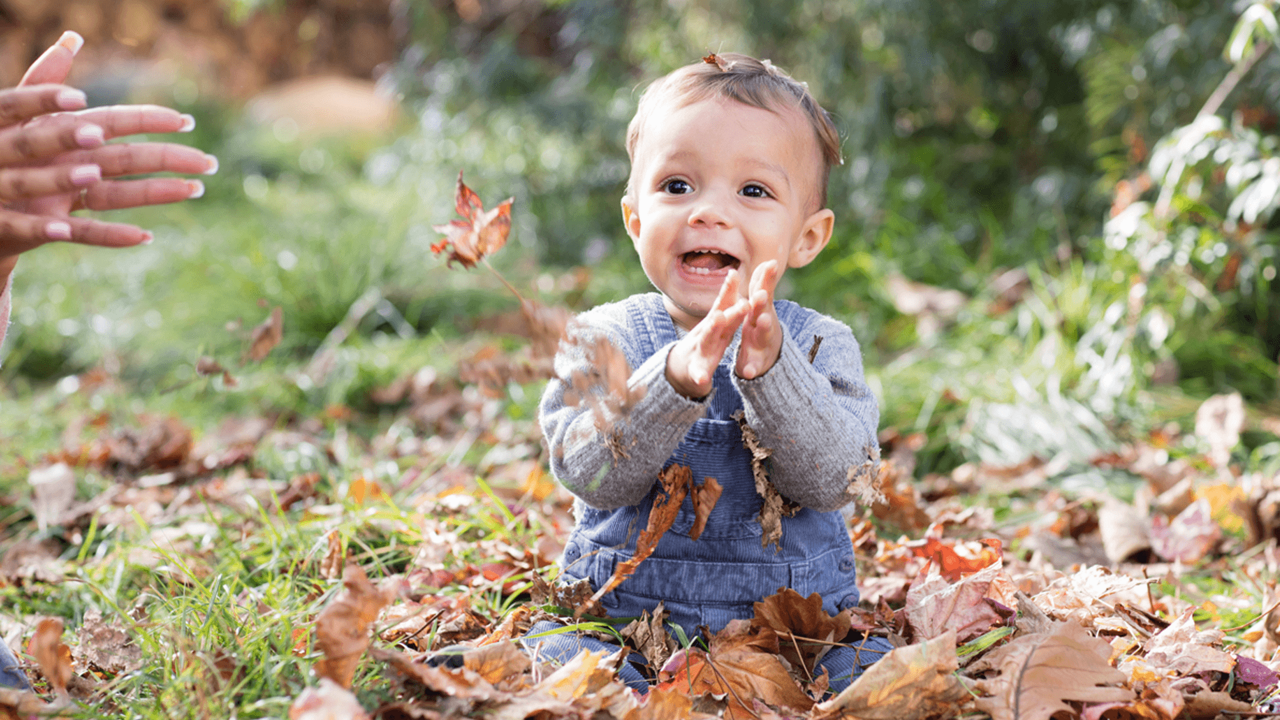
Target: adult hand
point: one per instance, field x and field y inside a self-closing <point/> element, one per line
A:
<point x="54" y="161"/>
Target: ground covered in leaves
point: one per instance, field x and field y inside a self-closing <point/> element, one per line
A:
<point x="201" y="579"/>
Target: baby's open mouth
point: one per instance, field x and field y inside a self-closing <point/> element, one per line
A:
<point x="707" y="262"/>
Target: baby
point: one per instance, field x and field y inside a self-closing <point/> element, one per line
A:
<point x="729" y="166"/>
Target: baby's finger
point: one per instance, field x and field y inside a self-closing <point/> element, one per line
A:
<point x="18" y="105"/>
<point x="123" y="120"/>
<point x="55" y="63"/>
<point x="23" y="183"/>
<point x="121" y="159"/>
<point x="20" y="145"/>
<point x="765" y="278"/>
<point x="119" y="194"/>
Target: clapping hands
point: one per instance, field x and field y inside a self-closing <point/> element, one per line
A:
<point x="691" y="364"/>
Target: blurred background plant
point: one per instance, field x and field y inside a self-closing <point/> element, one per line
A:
<point x="1055" y="220"/>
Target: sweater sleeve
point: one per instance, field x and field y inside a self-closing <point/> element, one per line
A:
<point x="818" y="418"/>
<point x="617" y="466"/>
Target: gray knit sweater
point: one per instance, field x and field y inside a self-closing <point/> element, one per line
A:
<point x="819" y="419"/>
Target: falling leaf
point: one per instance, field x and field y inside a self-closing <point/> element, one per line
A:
<point x="774" y="507"/>
<point x="1189" y="536"/>
<point x="675" y="481"/>
<point x="206" y="366"/>
<point x="935" y="606"/>
<point x="915" y="682"/>
<point x="53" y="657"/>
<point x="602" y="384"/>
<point x="479" y="233"/>
<point x="704" y="499"/>
<point x="805" y="631"/>
<point x="1039" y="673"/>
<point x="266" y="336"/>
<point x="342" y="628"/>
<point x="740" y="665"/>
<point x="327" y="701"/>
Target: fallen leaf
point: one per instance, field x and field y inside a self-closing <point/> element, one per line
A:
<point x="741" y="665"/>
<point x="342" y="628"/>
<point x="805" y="631"/>
<point x="497" y="662"/>
<point x="675" y="481"/>
<point x="335" y="556"/>
<point x="1185" y="649"/>
<point x="266" y="336"/>
<point x="53" y="657"/>
<point x="206" y="366"/>
<point x="1125" y="531"/>
<point x="935" y="606"/>
<point x="909" y="683"/>
<point x="479" y="233"/>
<point x="53" y="489"/>
<point x="704" y="499"/>
<point x="955" y="560"/>
<point x="774" y="506"/>
<point x="1038" y="673"/>
<point x="1218" y="423"/>
<point x="105" y="646"/>
<point x="1252" y="672"/>
<point x="1189" y="536"/>
<point x="327" y="701"/>
<point x="648" y="635"/>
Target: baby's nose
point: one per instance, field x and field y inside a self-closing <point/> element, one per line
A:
<point x="708" y="214"/>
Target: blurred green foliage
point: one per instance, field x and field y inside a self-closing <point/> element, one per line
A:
<point x="1044" y="158"/>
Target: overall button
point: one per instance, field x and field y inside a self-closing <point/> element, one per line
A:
<point x="849" y="601"/>
<point x="847" y="564"/>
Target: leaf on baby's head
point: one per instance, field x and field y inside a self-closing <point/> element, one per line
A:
<point x="479" y="233"/>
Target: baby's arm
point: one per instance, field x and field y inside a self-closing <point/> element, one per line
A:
<point x="617" y="468"/>
<point x="819" y="419"/>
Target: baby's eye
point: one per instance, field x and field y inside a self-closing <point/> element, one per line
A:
<point x="676" y="187"/>
<point x="755" y="191"/>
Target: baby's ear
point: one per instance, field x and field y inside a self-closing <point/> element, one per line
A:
<point x="813" y="238"/>
<point x="630" y="219"/>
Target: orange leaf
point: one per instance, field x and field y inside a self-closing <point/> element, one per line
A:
<point x="910" y="683"/>
<point x="479" y="234"/>
<point x="51" y="654"/>
<point x="799" y="621"/>
<point x="342" y="628"/>
<point x="952" y="563"/>
<point x="676" y="480"/>
<point x="704" y="499"/>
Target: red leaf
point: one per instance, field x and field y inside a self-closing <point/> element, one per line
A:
<point x="479" y="234"/>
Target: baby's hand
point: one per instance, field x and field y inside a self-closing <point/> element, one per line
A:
<point x="691" y="364"/>
<point x="761" y="332"/>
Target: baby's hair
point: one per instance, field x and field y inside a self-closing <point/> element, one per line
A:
<point x="744" y="79"/>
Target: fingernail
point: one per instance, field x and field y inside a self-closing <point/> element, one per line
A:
<point x="147" y="239"/>
<point x="72" y="41"/>
<point x="197" y="189"/>
<point x="188" y="123"/>
<point x="86" y="175"/>
<point x="213" y="164"/>
<point x="89" y="136"/>
<point x="58" y="231"/>
<point x="72" y="99"/>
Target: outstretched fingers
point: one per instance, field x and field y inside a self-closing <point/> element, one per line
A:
<point x="54" y="65"/>
<point x="121" y="159"/>
<point x="36" y="143"/>
<point x="26" y="183"/>
<point x="120" y="194"/>
<point x="17" y="105"/>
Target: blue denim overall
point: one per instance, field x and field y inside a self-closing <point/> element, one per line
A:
<point x="716" y="578"/>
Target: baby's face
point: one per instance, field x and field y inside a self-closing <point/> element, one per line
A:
<point x="719" y="185"/>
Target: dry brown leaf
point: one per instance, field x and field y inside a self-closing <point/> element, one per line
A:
<point x="909" y="683"/>
<point x="704" y="499"/>
<point x="105" y="646"/>
<point x="327" y="701"/>
<point x="935" y="607"/>
<point x="53" y="490"/>
<point x="479" y="233"/>
<point x="648" y="635"/>
<point x="459" y="683"/>
<point x="1185" y="649"/>
<point x="585" y="686"/>
<point x="266" y="336"/>
<point x="1189" y="536"/>
<point x="335" y="556"/>
<point x="342" y="628"/>
<point x="805" y="631"/>
<point x="206" y="366"/>
<point x="604" y="386"/>
<point x="163" y="443"/>
<point x="774" y="507"/>
<point x="1124" y="531"/>
<point x="497" y="662"/>
<point x="1039" y="673"/>
<point x="675" y="482"/>
<point x="53" y="657"/>
<point x="741" y="665"/>
<point x="666" y="704"/>
<point x="900" y="505"/>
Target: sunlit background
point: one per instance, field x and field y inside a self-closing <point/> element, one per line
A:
<point x="1038" y="245"/>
